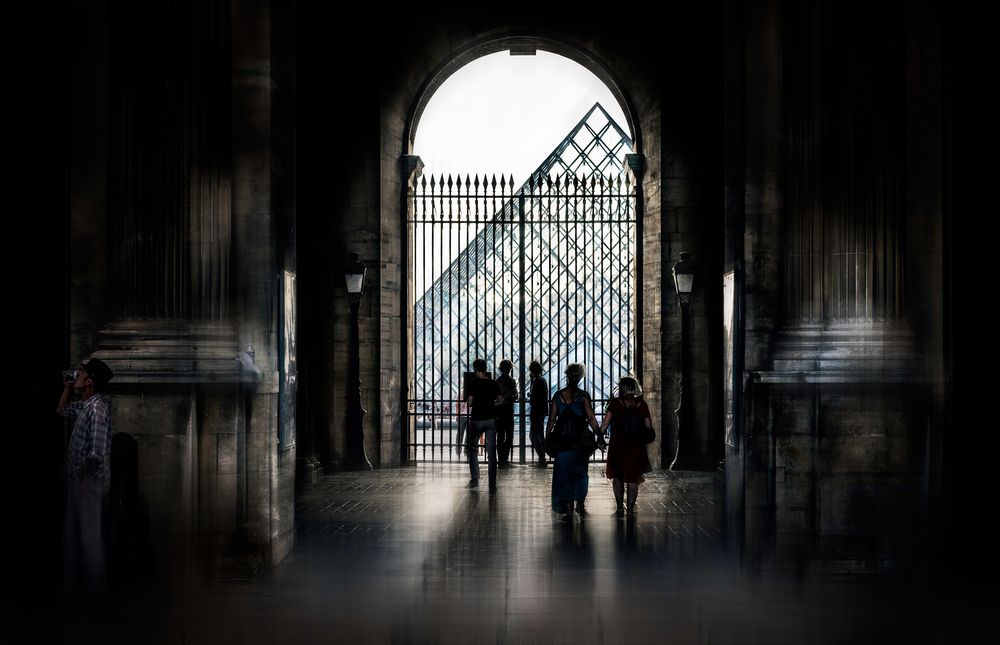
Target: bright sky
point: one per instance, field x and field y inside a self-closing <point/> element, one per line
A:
<point x="505" y="114"/>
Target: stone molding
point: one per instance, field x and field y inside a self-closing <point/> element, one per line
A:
<point x="845" y="353"/>
<point x="175" y="352"/>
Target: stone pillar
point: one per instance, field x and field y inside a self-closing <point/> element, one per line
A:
<point x="169" y="191"/>
<point x="760" y="110"/>
<point x="844" y="181"/>
<point x="169" y="333"/>
<point x="636" y="165"/>
<point x="844" y="166"/>
<point x="169" y="177"/>
<point x="262" y="229"/>
<point x="837" y="398"/>
<point x="692" y="222"/>
<point x="649" y="299"/>
<point x="734" y="122"/>
<point x="181" y="306"/>
<point x="410" y="167"/>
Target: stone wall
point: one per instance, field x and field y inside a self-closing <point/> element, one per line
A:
<point x="838" y="474"/>
<point x="175" y="219"/>
<point x="841" y="401"/>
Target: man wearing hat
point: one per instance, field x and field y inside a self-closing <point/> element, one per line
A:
<point x="88" y="462"/>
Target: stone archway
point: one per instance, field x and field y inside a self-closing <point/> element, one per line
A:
<point x="400" y="116"/>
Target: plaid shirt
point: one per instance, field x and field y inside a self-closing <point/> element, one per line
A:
<point x="91" y="438"/>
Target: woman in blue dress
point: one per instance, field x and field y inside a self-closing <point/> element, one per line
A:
<point x="569" y="417"/>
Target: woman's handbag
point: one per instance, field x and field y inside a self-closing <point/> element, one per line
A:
<point x="587" y="442"/>
<point x="553" y="445"/>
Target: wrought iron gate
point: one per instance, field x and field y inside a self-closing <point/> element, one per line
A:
<point x="543" y="272"/>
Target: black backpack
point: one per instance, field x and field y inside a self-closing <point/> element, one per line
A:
<point x="633" y="429"/>
<point x="573" y="433"/>
<point x="569" y="427"/>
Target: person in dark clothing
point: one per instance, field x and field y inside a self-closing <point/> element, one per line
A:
<point x="505" y="413"/>
<point x="631" y="429"/>
<point x="87" y="468"/>
<point x="481" y="397"/>
<point x="538" y="398"/>
<point x="572" y="411"/>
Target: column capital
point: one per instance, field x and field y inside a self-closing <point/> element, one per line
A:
<point x="636" y="163"/>
<point x="411" y="167"/>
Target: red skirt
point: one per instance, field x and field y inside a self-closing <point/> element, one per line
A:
<point x="627" y="462"/>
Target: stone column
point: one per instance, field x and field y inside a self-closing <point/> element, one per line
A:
<point x="191" y="176"/>
<point x="837" y="414"/>
<point x="168" y="332"/>
<point x="410" y="167"/>
<point x="844" y="103"/>
<point x="169" y="180"/>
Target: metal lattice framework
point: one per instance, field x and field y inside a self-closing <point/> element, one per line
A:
<point x="544" y="272"/>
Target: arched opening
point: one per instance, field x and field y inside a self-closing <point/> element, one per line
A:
<point x="538" y="260"/>
<point x="519" y="45"/>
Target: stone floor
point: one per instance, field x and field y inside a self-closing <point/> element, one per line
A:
<point x="412" y="556"/>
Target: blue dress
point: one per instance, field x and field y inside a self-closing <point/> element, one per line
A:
<point x="569" y="473"/>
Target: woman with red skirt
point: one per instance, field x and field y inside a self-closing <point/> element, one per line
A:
<point x="631" y="429"/>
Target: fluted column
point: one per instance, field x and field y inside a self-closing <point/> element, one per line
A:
<point x="170" y="190"/>
<point x="844" y="164"/>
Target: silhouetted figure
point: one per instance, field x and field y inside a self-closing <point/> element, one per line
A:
<point x="505" y="413"/>
<point x="128" y="534"/>
<point x="631" y="429"/>
<point x="481" y="396"/>
<point x="538" y="398"/>
<point x="87" y="470"/>
<point x="571" y="443"/>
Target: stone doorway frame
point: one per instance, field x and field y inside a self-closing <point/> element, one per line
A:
<point x="400" y="118"/>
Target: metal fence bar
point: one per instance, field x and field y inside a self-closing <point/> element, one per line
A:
<point x="520" y="355"/>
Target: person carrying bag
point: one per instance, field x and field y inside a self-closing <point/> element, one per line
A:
<point x="570" y="442"/>
<point x="631" y="429"/>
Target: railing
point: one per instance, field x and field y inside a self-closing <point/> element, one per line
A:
<point x="546" y="272"/>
